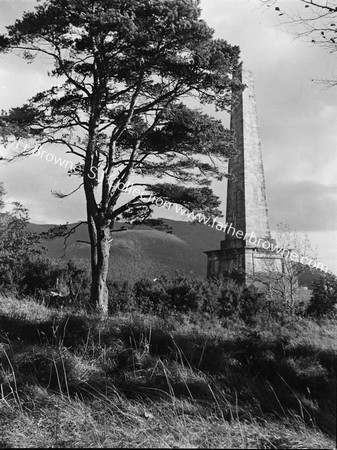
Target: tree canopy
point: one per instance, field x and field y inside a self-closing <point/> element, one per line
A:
<point x="17" y="245"/>
<point x="125" y="70"/>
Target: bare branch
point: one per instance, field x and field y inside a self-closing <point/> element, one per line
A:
<point x="62" y="231"/>
<point x="60" y="195"/>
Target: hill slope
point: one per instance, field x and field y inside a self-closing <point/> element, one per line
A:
<point x="144" y="251"/>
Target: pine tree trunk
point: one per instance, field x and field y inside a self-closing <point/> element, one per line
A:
<point x="100" y="265"/>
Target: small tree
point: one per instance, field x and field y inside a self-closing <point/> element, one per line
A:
<point x="323" y="300"/>
<point x="17" y="245"/>
<point x="280" y="277"/>
<point x="125" y="67"/>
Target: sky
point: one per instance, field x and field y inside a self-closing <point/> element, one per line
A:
<point x="297" y="118"/>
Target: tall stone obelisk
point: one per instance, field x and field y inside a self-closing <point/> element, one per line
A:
<point x="246" y="195"/>
<point x="247" y="210"/>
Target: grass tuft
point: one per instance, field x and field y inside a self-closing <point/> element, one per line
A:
<point x="135" y="380"/>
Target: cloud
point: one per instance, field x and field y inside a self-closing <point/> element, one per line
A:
<point x="31" y="181"/>
<point x="304" y="205"/>
<point x="297" y="117"/>
<point x="12" y="9"/>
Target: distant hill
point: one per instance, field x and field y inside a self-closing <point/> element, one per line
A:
<point x="142" y="251"/>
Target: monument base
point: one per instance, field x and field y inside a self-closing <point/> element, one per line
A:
<point x="243" y="263"/>
<point x="254" y="266"/>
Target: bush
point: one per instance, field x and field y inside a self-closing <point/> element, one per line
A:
<point x="17" y="245"/>
<point x="121" y="297"/>
<point x="24" y="268"/>
<point x="151" y="295"/>
<point x="78" y="277"/>
<point x="241" y="302"/>
<point x="323" y="299"/>
<point x="223" y="298"/>
<point x="178" y="295"/>
<point x="69" y="280"/>
<point x="40" y="275"/>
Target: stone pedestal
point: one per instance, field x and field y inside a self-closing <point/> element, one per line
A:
<point x="245" y="263"/>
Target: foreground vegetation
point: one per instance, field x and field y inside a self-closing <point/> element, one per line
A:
<point x="171" y="380"/>
<point x="179" y="363"/>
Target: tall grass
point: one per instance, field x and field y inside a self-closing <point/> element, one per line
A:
<point x="182" y="381"/>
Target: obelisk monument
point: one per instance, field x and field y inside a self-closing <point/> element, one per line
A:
<point x="246" y="195"/>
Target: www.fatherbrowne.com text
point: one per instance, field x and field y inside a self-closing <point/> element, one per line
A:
<point x="224" y="227"/>
<point x="160" y="202"/>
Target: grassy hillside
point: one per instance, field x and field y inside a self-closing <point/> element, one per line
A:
<point x="74" y="380"/>
<point x="142" y="251"/>
<point x="145" y="252"/>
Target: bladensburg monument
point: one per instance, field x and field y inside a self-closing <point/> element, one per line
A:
<point x="246" y="197"/>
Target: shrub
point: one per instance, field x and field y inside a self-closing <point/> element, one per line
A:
<point x="323" y="299"/>
<point x="251" y="305"/>
<point x="185" y="295"/>
<point x="69" y="279"/>
<point x="238" y="301"/>
<point x="121" y="297"/>
<point x="40" y="275"/>
<point x="77" y="277"/>
<point x="151" y="295"/>
<point x="165" y="295"/>
<point x="17" y="245"/>
<point x="221" y="297"/>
